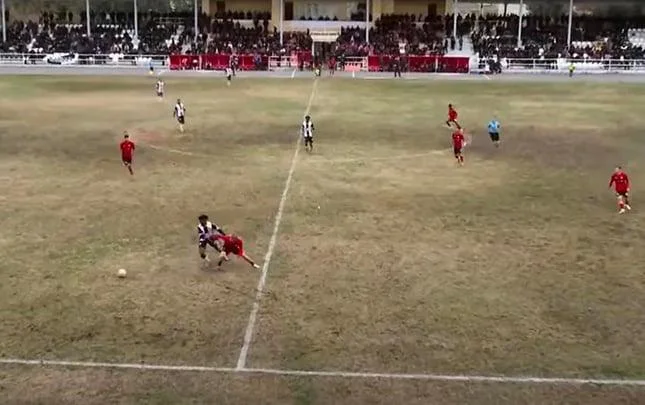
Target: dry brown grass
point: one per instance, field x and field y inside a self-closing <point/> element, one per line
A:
<point x="514" y="264"/>
<point x="98" y="387"/>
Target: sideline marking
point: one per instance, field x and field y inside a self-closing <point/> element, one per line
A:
<point x="337" y="374"/>
<point x="248" y="335"/>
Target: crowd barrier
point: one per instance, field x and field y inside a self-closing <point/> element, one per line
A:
<point x="59" y="58"/>
<point x="560" y="65"/>
<point x="425" y="63"/>
<point x="222" y="61"/>
<point x="381" y="63"/>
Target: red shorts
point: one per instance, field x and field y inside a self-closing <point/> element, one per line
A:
<point x="236" y="249"/>
<point x="127" y="160"/>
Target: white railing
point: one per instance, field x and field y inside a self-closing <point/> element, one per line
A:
<point x="355" y="64"/>
<point x="283" y="62"/>
<point x="112" y="60"/>
<point x="560" y="65"/>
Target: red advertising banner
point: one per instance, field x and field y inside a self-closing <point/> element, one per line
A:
<point x="413" y="63"/>
<point x="221" y="61"/>
<point x="376" y="63"/>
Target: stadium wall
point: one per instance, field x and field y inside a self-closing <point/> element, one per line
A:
<point x="210" y="6"/>
<point x="341" y="9"/>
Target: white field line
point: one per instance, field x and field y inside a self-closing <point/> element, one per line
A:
<point x="334" y="374"/>
<point x="248" y="335"/>
<point x="293" y="74"/>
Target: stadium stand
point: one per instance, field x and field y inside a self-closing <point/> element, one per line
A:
<point x="543" y="37"/>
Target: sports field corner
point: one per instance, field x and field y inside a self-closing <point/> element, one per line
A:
<point x="388" y="274"/>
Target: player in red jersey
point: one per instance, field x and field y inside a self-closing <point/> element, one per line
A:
<point x="620" y="181"/>
<point x="232" y="244"/>
<point x="452" y="116"/>
<point x="458" y="143"/>
<point x="127" y="150"/>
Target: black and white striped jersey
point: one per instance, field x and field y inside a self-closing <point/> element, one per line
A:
<point x="208" y="230"/>
<point x="180" y="110"/>
<point x="307" y="128"/>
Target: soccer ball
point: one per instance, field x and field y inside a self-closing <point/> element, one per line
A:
<point x="122" y="273"/>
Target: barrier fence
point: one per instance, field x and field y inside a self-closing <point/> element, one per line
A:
<point x="381" y="63"/>
<point x="559" y="65"/>
<point x="120" y="60"/>
<point x="304" y="60"/>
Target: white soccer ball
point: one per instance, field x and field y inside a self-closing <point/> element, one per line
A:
<point x="122" y="273"/>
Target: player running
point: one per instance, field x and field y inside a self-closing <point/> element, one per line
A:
<point x="458" y="143"/>
<point x="493" y="131"/>
<point x="620" y="181"/>
<point x="308" y="133"/>
<point x="180" y="114"/>
<point x="232" y="244"/>
<point x="229" y="75"/>
<point x="452" y="117"/>
<point x="127" y="150"/>
<point x="206" y="230"/>
<point x="160" y="88"/>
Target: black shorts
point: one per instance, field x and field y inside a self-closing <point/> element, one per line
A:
<point x="160" y="94"/>
<point x="207" y="242"/>
<point x="181" y="120"/>
<point x="457" y="150"/>
<point x="624" y="194"/>
<point x="309" y="140"/>
<point x="494" y="136"/>
<point x="126" y="160"/>
<point x="228" y="77"/>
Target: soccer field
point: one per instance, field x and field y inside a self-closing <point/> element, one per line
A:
<point x="387" y="257"/>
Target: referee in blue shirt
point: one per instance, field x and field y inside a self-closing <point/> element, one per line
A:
<point x="493" y="131"/>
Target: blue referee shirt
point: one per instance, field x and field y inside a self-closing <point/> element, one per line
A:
<point x="493" y="127"/>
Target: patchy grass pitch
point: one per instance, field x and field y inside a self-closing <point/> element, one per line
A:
<point x="514" y="264"/>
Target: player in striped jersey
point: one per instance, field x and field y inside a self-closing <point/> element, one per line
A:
<point x="308" y="133"/>
<point x="160" y="88"/>
<point x="180" y="114"/>
<point x="229" y="75"/>
<point x="206" y="230"/>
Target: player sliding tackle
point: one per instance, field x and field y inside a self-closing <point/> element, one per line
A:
<point x="205" y="230"/>
<point x="231" y="244"/>
<point x="620" y="181"/>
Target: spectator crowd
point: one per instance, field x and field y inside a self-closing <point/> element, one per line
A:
<point x="65" y="32"/>
<point x="546" y="37"/>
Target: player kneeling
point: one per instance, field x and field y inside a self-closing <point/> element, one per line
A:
<point x="232" y="244"/>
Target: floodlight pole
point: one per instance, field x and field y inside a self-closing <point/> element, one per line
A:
<point x="454" y="19"/>
<point x="281" y="22"/>
<point x="87" y="18"/>
<point x="570" y="24"/>
<point x="4" y="23"/>
<point x="196" y="26"/>
<point x="136" y="20"/>
<point x="367" y="22"/>
<point x="519" y="27"/>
